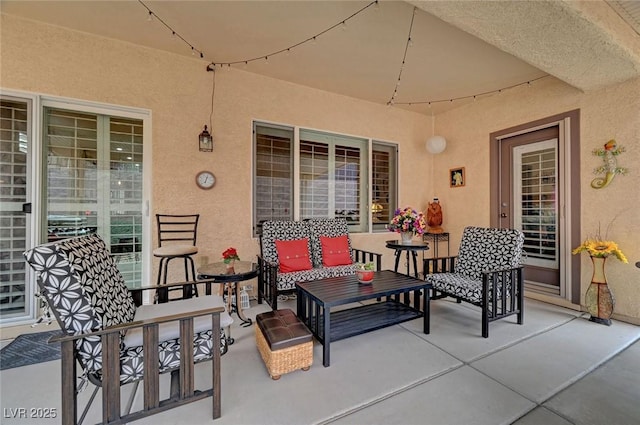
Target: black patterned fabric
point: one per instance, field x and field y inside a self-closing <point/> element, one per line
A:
<point x="330" y="227"/>
<point x="312" y="229"/>
<point x="280" y="230"/>
<point x="481" y="249"/>
<point x="86" y="292"/>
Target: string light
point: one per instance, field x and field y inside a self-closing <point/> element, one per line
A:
<point x="342" y="23"/>
<point x="409" y="43"/>
<point x="473" y="96"/>
<point x="173" y="32"/>
<point x="404" y="58"/>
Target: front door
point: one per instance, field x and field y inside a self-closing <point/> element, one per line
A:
<point x="529" y="202"/>
<point x="535" y="187"/>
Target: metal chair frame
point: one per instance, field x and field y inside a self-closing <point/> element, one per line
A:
<point x="174" y="228"/>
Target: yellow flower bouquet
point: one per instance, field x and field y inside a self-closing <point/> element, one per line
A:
<point x="601" y="249"/>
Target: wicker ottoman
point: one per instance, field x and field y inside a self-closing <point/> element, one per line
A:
<point x="284" y="342"/>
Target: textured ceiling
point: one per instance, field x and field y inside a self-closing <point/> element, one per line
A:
<point x="629" y="10"/>
<point x="458" y="50"/>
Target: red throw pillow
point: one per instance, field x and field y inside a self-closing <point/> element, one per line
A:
<point x="293" y="255"/>
<point x="335" y="251"/>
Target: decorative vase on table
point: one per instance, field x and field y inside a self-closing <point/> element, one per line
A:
<point x="229" y="256"/>
<point x="230" y="267"/>
<point x="599" y="298"/>
<point x="406" y="237"/>
<point x="407" y="222"/>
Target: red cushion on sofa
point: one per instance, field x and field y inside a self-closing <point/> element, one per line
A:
<point x="293" y="255"/>
<point x="335" y="251"/>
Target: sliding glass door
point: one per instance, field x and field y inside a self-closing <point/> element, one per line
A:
<point x="16" y="294"/>
<point x="93" y="182"/>
<point x="68" y="169"/>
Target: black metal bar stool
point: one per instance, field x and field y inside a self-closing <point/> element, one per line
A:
<point x="177" y="239"/>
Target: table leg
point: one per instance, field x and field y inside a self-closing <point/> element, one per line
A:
<point x="414" y="254"/>
<point x="245" y="320"/>
<point x="326" y="337"/>
<point x="398" y="254"/>
<point x="408" y="263"/>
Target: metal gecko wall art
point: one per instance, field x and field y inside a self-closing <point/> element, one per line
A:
<point x="610" y="168"/>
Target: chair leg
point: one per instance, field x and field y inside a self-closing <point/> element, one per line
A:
<point x="485" y="322"/>
<point x="89" y="403"/>
<point x="186" y="270"/>
<point x="127" y="409"/>
<point x="193" y="275"/>
<point x="174" y="386"/>
<point x="165" y="269"/>
<point x="162" y="260"/>
<point x="520" y="298"/>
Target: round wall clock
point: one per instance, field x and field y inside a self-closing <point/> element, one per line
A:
<point x="205" y="180"/>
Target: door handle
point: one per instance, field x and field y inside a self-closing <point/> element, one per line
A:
<point x="26" y="208"/>
<point x="503" y="215"/>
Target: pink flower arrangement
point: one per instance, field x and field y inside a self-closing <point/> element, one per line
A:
<point x="408" y="220"/>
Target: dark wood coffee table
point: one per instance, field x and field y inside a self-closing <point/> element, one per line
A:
<point x="316" y="298"/>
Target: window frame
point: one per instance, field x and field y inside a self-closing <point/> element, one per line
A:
<point x="367" y="147"/>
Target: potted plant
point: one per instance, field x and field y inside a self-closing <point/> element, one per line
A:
<point x="365" y="271"/>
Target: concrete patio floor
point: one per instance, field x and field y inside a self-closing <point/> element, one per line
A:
<point x="557" y="368"/>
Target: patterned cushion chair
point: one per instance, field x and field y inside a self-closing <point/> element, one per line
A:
<point x="272" y="280"/>
<point x="113" y="340"/>
<point x="487" y="272"/>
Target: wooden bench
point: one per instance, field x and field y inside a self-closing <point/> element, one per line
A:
<point x="284" y="342"/>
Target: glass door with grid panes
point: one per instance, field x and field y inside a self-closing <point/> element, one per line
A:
<point x="16" y="293"/>
<point x="93" y="182"/>
<point x="66" y="174"/>
<point x="536" y="212"/>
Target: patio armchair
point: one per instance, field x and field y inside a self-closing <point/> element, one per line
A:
<point x="487" y="272"/>
<point x="116" y="342"/>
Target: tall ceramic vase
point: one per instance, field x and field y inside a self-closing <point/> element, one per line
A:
<point x="599" y="299"/>
<point x="406" y="237"/>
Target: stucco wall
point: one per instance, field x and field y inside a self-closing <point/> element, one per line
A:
<point x="50" y="60"/>
<point x="609" y="113"/>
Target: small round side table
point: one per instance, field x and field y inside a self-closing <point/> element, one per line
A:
<point x="410" y="249"/>
<point x="229" y="278"/>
